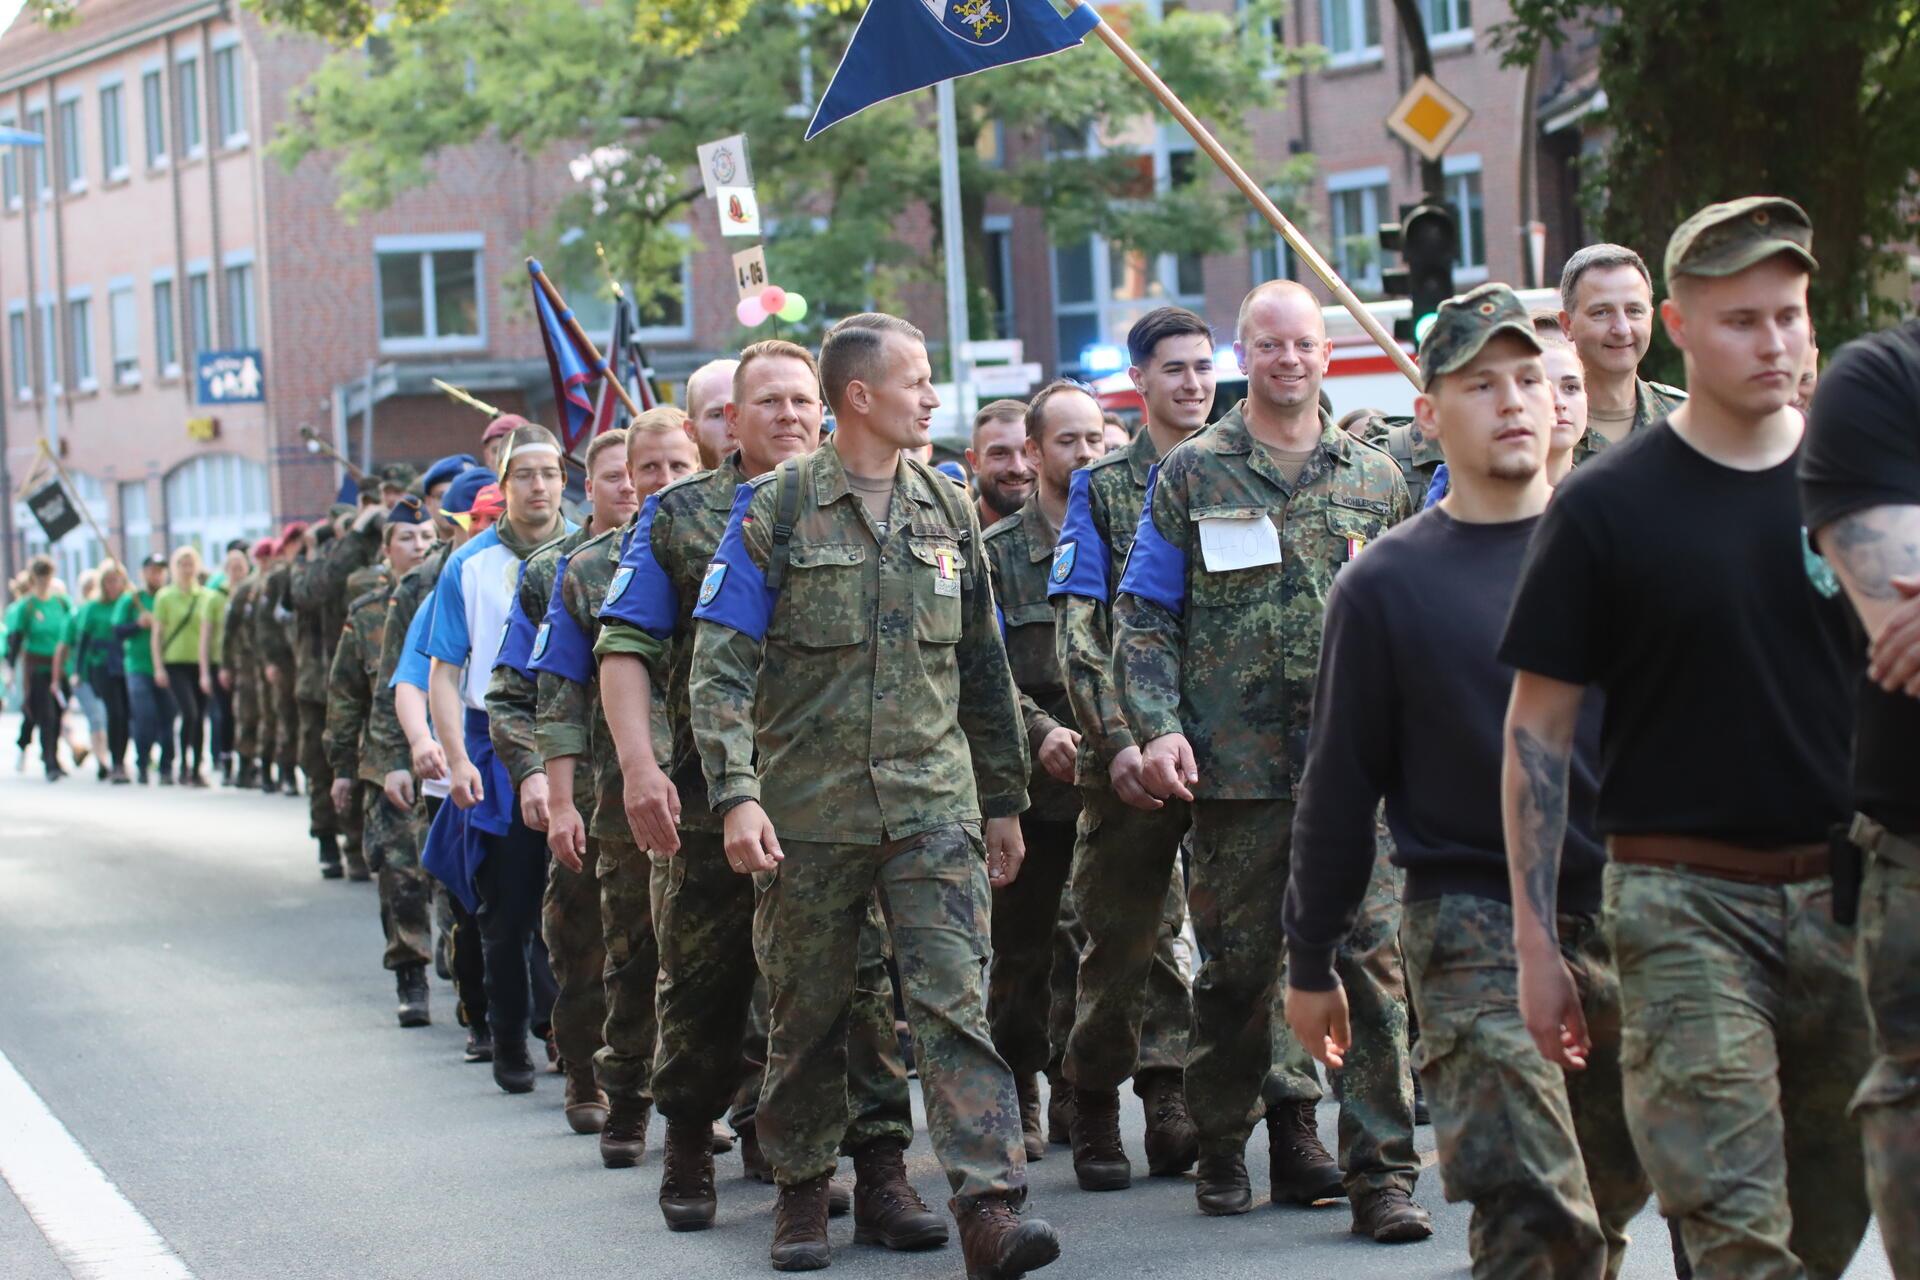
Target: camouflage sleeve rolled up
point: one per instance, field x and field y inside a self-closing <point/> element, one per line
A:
<point x="1083" y="639"/>
<point x="1150" y="633"/>
<point x="725" y="678"/>
<point x="990" y="712"/>
<point x="349" y="697"/>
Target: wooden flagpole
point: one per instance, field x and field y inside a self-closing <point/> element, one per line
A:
<point x="645" y="369"/>
<point x="580" y="335"/>
<point x="467" y="398"/>
<point x="316" y="445"/>
<point x="73" y="496"/>
<point x="1251" y="190"/>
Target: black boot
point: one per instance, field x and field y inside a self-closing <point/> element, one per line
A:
<point x="1301" y="1168"/>
<point x="687" y="1199"/>
<point x="267" y="784"/>
<point x="330" y="868"/>
<point x="1220" y="1185"/>
<point x="1028" y="1088"/>
<point x="411" y="982"/>
<point x="1173" y="1144"/>
<point x="512" y="1065"/>
<point x="1059" y="1112"/>
<point x="1099" y="1161"/>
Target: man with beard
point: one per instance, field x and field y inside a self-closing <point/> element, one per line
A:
<point x="998" y="460"/>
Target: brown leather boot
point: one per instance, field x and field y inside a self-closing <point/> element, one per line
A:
<point x="586" y="1105"/>
<point x="1220" y="1185"/>
<point x="687" y="1199"/>
<point x="887" y="1210"/>
<point x="997" y="1242"/>
<point x="1099" y="1161"/>
<point x="753" y="1161"/>
<point x="1059" y="1112"/>
<point x="623" y="1140"/>
<point x="1173" y="1144"/>
<point x="800" y="1226"/>
<point x="1028" y="1088"/>
<point x="1389" y="1216"/>
<point x="1302" y="1170"/>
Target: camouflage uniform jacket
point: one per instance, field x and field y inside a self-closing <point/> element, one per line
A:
<point x="386" y="749"/>
<point x="311" y="646"/>
<point x="1103" y="512"/>
<point x="512" y="697"/>
<point x="352" y="557"/>
<point x="240" y="656"/>
<point x="1019" y="550"/>
<point x="1404" y="442"/>
<point x="272" y="620"/>
<point x="676" y="536"/>
<point x="573" y="722"/>
<point x="1652" y="401"/>
<point x="351" y="688"/>
<point x="868" y="700"/>
<point x="1230" y="658"/>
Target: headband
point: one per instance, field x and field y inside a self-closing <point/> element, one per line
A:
<point x="531" y="446"/>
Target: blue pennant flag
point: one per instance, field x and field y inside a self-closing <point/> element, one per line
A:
<point x="903" y="45"/>
<point x="349" y="494"/>
<point x="572" y="367"/>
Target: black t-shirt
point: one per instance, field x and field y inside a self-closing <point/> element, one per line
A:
<point x="1863" y="451"/>
<point x="1411" y="706"/>
<point x="1686" y="591"/>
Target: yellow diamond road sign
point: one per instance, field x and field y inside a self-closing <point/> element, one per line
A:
<point x="1428" y="118"/>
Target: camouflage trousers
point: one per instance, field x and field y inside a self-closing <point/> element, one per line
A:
<point x="753" y="1051"/>
<point x="393" y="840"/>
<point x="1026" y="927"/>
<point x="1744" y="1036"/>
<point x="1375" y="1087"/>
<point x="624" y="1063"/>
<point x="1888" y="1102"/>
<point x="807" y="932"/>
<point x="1133" y="1009"/>
<point x="577" y="951"/>
<point x="321" y="819"/>
<point x="284" y="745"/>
<point x="246" y="715"/>
<point x="1543" y="1154"/>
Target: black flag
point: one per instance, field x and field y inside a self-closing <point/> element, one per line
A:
<point x="54" y="510"/>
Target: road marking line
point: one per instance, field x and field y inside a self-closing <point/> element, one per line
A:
<point x="93" y="1228"/>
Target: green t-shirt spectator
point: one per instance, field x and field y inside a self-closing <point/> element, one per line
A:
<point x="135" y="647"/>
<point x="214" y="599"/>
<point x="90" y="638"/>
<point x="43" y="623"/>
<point x="177" y="614"/>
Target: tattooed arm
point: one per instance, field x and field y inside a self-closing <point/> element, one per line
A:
<point x="1876" y="555"/>
<point x="1541" y="718"/>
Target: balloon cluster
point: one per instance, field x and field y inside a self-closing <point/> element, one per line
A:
<point x="754" y="309"/>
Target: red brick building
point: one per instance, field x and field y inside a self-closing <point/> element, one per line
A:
<point x="154" y="228"/>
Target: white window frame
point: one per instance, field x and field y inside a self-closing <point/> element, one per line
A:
<point x="682" y="332"/>
<point x="1001" y="224"/>
<point x="1458" y="35"/>
<point x="11" y="186"/>
<point x="20" y="357"/>
<point x="1361" y="180"/>
<point x="195" y="147"/>
<point x="1452" y="167"/>
<point x="155" y="68"/>
<point x="86" y="373"/>
<point x="73" y="151"/>
<point x="111" y="173"/>
<point x="424" y="247"/>
<point x="117" y="288"/>
<point x="164" y="276"/>
<point x="240" y="259"/>
<point x="1360" y="55"/>
<point x="229" y="41"/>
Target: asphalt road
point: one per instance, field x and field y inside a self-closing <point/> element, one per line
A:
<point x="209" y="1021"/>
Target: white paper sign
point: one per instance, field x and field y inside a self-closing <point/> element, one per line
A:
<point x="739" y="211"/>
<point x="1238" y="542"/>
<point x="750" y="271"/>
<point x="723" y="163"/>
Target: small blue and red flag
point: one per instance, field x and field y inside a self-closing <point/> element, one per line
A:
<point x="572" y="364"/>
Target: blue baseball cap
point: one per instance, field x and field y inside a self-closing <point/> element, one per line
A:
<point x="446" y="469"/>
<point x="952" y="471"/>
<point x="465" y="488"/>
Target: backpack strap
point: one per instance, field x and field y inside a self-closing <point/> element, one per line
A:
<point x="786" y="510"/>
<point x="1399" y="445"/>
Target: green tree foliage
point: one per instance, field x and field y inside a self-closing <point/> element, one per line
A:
<point x="557" y="80"/>
<point x="1816" y="100"/>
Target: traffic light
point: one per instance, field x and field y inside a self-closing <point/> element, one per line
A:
<point x="1427" y="238"/>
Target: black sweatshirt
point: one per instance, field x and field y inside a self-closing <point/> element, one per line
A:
<point x="1411" y="706"/>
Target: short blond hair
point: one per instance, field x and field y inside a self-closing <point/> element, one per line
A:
<point x="614" y="439"/>
<point x="765" y="349"/>
<point x="657" y="422"/>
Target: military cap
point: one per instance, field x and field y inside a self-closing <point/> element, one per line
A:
<point x="1723" y="239"/>
<point x="460" y="494"/>
<point x="368" y="484"/>
<point x="410" y="509"/>
<point x="1465" y="324"/>
<point x="397" y="475"/>
<point x="445" y="469"/>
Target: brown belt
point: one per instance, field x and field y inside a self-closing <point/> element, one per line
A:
<point x="1789" y="864"/>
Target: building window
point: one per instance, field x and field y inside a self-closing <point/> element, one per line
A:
<point x="80" y="335"/>
<point x="19" y="359"/>
<point x="1463" y="192"/>
<point x="1351" y="31"/>
<point x="10" y="168"/>
<point x="37" y="123"/>
<point x="214" y="499"/>
<point x="1357" y="200"/>
<point x="229" y="108"/>
<point x="241" y="323"/>
<point x="166" y="343"/>
<point x="999" y="247"/>
<point x="199" y="312"/>
<point x="44" y="332"/>
<point x="1273" y="257"/>
<point x="73" y="169"/>
<point x="1449" y="22"/>
<point x="123" y="315"/>
<point x="186" y="83"/>
<point x="430" y="293"/>
<point x="153" y="108"/>
<point x="136" y="520"/>
<point x="113" y="133"/>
